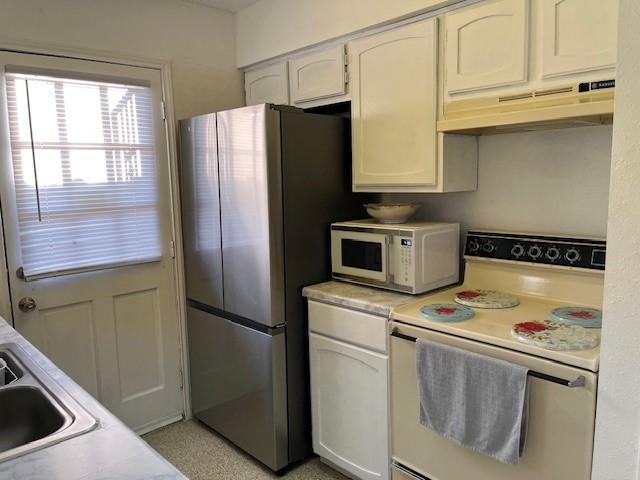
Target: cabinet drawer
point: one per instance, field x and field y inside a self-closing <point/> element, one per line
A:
<point x="348" y="325"/>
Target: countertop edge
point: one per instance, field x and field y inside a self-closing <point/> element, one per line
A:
<point x="116" y="443"/>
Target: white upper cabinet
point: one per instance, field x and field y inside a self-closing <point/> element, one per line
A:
<point x="268" y="84"/>
<point x="394" y="107"/>
<point x="578" y="36"/>
<point x="487" y="45"/>
<point x="317" y="75"/>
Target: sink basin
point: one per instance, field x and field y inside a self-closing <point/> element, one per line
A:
<point x="35" y="412"/>
<point x="26" y="415"/>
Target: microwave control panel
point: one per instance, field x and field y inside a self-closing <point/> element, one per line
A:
<point x="404" y="261"/>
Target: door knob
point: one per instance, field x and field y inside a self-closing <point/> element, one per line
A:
<point x="27" y="304"/>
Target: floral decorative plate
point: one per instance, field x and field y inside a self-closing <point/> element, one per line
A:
<point x="446" y="312"/>
<point x="585" y="317"/>
<point x="486" y="299"/>
<point x="552" y="335"/>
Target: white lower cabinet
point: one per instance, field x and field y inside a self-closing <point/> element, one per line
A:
<point x="349" y="402"/>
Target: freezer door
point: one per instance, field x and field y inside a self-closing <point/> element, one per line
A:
<point x="238" y="384"/>
<point x="251" y="212"/>
<point x="201" y="210"/>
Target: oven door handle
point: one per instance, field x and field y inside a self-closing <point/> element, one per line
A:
<point x="579" y="381"/>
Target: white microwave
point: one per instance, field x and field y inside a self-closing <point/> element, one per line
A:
<point x="412" y="257"/>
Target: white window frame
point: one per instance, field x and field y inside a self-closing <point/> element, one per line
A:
<point x="50" y="58"/>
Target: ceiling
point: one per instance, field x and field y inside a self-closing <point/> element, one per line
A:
<point x="228" y="5"/>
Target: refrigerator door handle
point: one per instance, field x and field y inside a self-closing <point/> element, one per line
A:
<point x="238" y="320"/>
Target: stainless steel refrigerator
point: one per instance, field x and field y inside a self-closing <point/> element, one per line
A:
<point x="260" y="187"/>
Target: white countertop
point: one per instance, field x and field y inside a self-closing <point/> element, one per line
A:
<point x="493" y="326"/>
<point x="357" y="297"/>
<point x="110" y="451"/>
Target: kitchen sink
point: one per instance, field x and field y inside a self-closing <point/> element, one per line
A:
<point x="35" y="412"/>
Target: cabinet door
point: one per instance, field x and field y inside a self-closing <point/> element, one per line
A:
<point x="578" y="36"/>
<point x="393" y="106"/>
<point x="349" y="407"/>
<point x="317" y="75"/>
<point x="487" y="46"/>
<point x="267" y="85"/>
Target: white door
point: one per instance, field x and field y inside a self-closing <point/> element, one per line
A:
<point x="487" y="46"/>
<point x="86" y="207"/>
<point x="268" y="84"/>
<point x="393" y="106"/>
<point x="578" y="36"/>
<point x="318" y="75"/>
<point x="349" y="407"/>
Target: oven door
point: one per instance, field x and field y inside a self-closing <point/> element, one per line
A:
<point x="360" y="256"/>
<point x="559" y="440"/>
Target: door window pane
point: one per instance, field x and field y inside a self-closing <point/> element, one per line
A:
<point x="84" y="166"/>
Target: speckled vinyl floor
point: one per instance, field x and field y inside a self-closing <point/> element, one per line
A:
<point x="200" y="454"/>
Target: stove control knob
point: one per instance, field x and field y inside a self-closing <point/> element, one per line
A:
<point x="535" y="252"/>
<point x="553" y="253"/>
<point x="517" y="250"/>
<point x="489" y="247"/>
<point x="572" y="255"/>
<point x="474" y="246"/>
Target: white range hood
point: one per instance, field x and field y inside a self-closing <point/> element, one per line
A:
<point x="571" y="106"/>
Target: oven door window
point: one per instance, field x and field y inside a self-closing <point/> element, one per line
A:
<point x="362" y="255"/>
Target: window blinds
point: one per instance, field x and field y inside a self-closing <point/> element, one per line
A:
<point x="84" y="167"/>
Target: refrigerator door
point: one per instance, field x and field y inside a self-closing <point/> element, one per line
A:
<point x="201" y="210"/>
<point x="251" y="206"/>
<point x="238" y="384"/>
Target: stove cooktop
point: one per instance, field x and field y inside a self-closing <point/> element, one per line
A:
<point x="544" y="274"/>
<point x="493" y="326"/>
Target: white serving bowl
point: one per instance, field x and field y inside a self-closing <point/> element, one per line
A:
<point x="392" y="212"/>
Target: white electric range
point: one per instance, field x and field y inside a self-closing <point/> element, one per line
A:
<point x="535" y="276"/>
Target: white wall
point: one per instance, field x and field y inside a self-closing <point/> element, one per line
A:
<point x="199" y="41"/>
<point x="618" y="417"/>
<point x="554" y="181"/>
<point x="270" y="28"/>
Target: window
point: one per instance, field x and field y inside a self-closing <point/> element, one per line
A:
<point x="84" y="166"/>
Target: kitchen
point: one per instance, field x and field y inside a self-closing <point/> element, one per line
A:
<point x="545" y="181"/>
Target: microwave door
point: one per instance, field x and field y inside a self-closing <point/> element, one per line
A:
<point x="360" y="255"/>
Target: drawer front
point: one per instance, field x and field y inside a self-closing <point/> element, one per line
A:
<point x="366" y="330"/>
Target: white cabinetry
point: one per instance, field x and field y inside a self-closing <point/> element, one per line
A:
<point x="317" y="75"/>
<point x="268" y="84"/>
<point x="349" y="389"/>
<point x="394" y="92"/>
<point x="578" y="36"/>
<point x="487" y="45"/>
<point x="499" y="47"/>
<point x="394" y="107"/>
